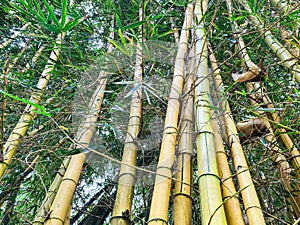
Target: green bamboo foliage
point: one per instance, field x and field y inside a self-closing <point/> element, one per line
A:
<point x="232" y="206"/>
<point x="212" y="210"/>
<point x="280" y="130"/>
<point x="20" y="129"/>
<point x="14" y="36"/>
<point x="182" y="205"/>
<point x="127" y="176"/>
<point x="278" y="158"/>
<point x="282" y="53"/>
<point x="160" y="199"/>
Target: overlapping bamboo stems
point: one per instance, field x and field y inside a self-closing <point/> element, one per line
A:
<point x="62" y="196"/>
<point x="278" y="158"/>
<point x="160" y="199"/>
<point x="182" y="205"/>
<point x="232" y="206"/>
<point x="249" y="195"/>
<point x="21" y="127"/>
<point x="15" y="35"/>
<point x="281" y="131"/>
<point x="127" y="176"/>
<point x="282" y="53"/>
<point x="34" y="58"/>
<point x="211" y="203"/>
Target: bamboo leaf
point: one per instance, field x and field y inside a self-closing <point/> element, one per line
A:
<point x="52" y="14"/>
<point x="118" y="21"/>
<point x="64" y="13"/>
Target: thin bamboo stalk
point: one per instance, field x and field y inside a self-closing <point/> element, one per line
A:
<point x="248" y="192"/>
<point x="278" y="158"/>
<point x="127" y="176"/>
<point x="63" y="198"/>
<point x="280" y="131"/>
<point x="232" y="207"/>
<point x="160" y="199"/>
<point x="61" y="203"/>
<point x="15" y="35"/>
<point x="182" y="205"/>
<point x="21" y="128"/>
<point x="253" y="69"/>
<point x="34" y="58"/>
<point x="289" y="61"/>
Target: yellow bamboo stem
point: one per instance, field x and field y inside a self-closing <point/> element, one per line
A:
<point x="182" y="206"/>
<point x="20" y="129"/>
<point x="211" y="203"/>
<point x="232" y="207"/>
<point x="160" y="199"/>
<point x="122" y="208"/>
<point x="248" y="192"/>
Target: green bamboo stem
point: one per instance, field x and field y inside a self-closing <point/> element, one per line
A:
<point x="211" y="203"/>
<point x="160" y="199"/>
<point x="289" y="61"/>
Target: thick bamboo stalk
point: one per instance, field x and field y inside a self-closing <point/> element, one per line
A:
<point x="127" y="176"/>
<point x="20" y="129"/>
<point x="232" y="207"/>
<point x="160" y="199"/>
<point x="211" y="203"/>
<point x="15" y="35"/>
<point x="249" y="195"/>
<point x="182" y="205"/>
<point x="282" y="53"/>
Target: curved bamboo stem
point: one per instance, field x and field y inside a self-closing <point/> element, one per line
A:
<point x="160" y="199"/>
<point x="282" y="53"/>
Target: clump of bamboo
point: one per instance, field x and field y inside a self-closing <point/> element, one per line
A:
<point x="162" y="187"/>
<point x="127" y="177"/>
<point x="211" y="203"/>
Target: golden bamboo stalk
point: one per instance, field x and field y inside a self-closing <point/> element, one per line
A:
<point x="211" y="203"/>
<point x="64" y="195"/>
<point x="160" y="199"/>
<point x="289" y="61"/>
<point x="232" y="207"/>
<point x="16" y="34"/>
<point x="182" y="205"/>
<point x="248" y="192"/>
<point x="21" y="127"/>
<point x="63" y="198"/>
<point x="127" y="176"/>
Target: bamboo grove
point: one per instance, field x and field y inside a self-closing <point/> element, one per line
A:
<point x="150" y="112"/>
